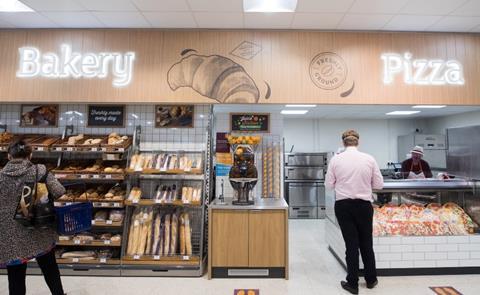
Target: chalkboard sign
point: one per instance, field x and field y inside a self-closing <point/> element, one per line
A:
<point x="222" y="145"/>
<point x="250" y="122"/>
<point x="106" y="116"/>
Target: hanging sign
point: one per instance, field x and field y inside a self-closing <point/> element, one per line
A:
<point x="69" y="64"/>
<point x="431" y="72"/>
<point x="106" y="116"/>
<point x="252" y="122"/>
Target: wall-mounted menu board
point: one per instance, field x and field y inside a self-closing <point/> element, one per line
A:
<point x="249" y="122"/>
<point x="106" y="115"/>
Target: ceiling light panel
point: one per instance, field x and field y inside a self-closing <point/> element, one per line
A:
<point x="294" y="112"/>
<point x="300" y="105"/>
<point x="429" y="107"/>
<point x="14" y="6"/>
<point x="269" y="5"/>
<point x="402" y="113"/>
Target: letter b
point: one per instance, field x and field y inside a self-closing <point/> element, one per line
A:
<point x="29" y="65"/>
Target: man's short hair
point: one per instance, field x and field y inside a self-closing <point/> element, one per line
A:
<point x="350" y="138"/>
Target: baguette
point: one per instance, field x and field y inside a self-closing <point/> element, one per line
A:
<point x="182" y="235"/>
<point x="173" y="163"/>
<point x="174" y="234"/>
<point x="156" y="234"/>
<point x="144" y="233"/>
<point x="166" y="244"/>
<point x="148" y="249"/>
<point x="184" y="194"/>
<point x="190" y="194"/>
<point x="188" y="236"/>
<point x="135" y="225"/>
<point x="162" y="236"/>
<point x="138" y="232"/>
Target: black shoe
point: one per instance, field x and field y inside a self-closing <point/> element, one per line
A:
<point x="372" y="285"/>
<point x="349" y="288"/>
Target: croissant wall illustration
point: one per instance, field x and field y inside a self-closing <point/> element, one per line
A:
<point x="214" y="76"/>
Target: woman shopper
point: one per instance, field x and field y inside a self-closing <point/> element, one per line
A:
<point x="18" y="243"/>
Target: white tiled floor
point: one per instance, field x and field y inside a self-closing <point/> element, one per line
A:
<point x="313" y="270"/>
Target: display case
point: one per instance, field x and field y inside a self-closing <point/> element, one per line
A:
<point x="420" y="227"/>
<point x="166" y="213"/>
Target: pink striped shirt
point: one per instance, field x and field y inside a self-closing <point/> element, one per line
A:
<point x="353" y="175"/>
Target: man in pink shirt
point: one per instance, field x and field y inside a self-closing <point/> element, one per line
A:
<point x="353" y="175"/>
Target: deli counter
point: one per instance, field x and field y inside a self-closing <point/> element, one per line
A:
<point x="420" y="227"/>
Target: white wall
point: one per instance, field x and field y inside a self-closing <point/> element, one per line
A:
<point x="441" y="124"/>
<point x="377" y="137"/>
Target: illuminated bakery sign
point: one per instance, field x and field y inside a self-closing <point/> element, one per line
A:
<point x="69" y="64"/>
<point x="430" y="72"/>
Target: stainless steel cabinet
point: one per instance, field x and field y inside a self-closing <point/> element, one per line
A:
<point x="306" y="159"/>
<point x="304" y="173"/>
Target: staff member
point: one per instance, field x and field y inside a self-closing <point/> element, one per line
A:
<point x="415" y="167"/>
<point x="353" y="175"/>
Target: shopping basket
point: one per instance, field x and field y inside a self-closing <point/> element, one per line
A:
<point x="75" y="218"/>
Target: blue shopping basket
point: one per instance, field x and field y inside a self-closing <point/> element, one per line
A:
<point x="75" y="218"/>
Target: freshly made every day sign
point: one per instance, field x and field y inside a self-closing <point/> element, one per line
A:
<point x="421" y="71"/>
<point x="106" y="115"/>
<point x="69" y="64"/>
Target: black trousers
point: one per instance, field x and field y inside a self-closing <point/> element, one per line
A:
<point x="49" y="267"/>
<point x="355" y="218"/>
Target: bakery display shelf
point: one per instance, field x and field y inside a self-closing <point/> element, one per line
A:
<point x="94" y="243"/>
<point x="199" y="177"/>
<point x="150" y="202"/>
<point x="161" y="260"/>
<point x="43" y="143"/>
<point x="106" y="223"/>
<point x="101" y="261"/>
<point x="118" y="148"/>
<point x="37" y="141"/>
<point x="95" y="203"/>
<point x="194" y="172"/>
<point x="63" y="146"/>
<point x="67" y="175"/>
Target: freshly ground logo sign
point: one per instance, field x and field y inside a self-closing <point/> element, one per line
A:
<point x="329" y="71"/>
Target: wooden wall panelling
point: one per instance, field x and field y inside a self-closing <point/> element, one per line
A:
<point x="283" y="63"/>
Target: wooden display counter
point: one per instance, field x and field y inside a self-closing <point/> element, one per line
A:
<point x="248" y="241"/>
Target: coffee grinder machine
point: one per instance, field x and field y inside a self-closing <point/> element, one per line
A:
<point x="243" y="175"/>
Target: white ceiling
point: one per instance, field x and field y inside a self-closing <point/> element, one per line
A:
<point x="389" y="15"/>
<point x="349" y="111"/>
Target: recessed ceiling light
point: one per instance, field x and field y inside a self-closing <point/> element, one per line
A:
<point x="269" y="5"/>
<point x="429" y="107"/>
<point x="13" y="6"/>
<point x="294" y="112"/>
<point x="402" y="113"/>
<point x="300" y="105"/>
